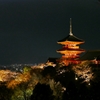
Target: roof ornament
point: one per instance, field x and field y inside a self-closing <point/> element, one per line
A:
<point x="70" y="27"/>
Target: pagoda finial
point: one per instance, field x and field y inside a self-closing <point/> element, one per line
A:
<point x="70" y="27"/>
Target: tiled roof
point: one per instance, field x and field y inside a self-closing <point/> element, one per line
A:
<point x="91" y="55"/>
<point x="71" y="38"/>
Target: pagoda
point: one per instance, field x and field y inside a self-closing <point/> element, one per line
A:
<point x="70" y="48"/>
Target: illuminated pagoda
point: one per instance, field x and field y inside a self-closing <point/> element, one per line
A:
<point x="70" y="50"/>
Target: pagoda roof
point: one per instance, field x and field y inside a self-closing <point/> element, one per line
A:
<point x="71" y="38"/>
<point x="91" y="55"/>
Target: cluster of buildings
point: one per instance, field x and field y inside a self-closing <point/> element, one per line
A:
<point x="71" y="51"/>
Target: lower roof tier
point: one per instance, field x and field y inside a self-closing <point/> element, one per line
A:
<point x="70" y="51"/>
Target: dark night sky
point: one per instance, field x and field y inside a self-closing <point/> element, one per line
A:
<point x="30" y="29"/>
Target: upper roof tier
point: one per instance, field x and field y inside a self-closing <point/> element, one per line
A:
<point x="71" y="38"/>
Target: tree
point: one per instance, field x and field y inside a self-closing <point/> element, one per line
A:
<point x="42" y="92"/>
<point x="5" y="93"/>
<point x="22" y="84"/>
<point x="83" y="71"/>
<point x="57" y="88"/>
<point x="49" y="72"/>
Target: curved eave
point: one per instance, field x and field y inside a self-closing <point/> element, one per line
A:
<point x="70" y="42"/>
<point x="70" y="51"/>
<point x="71" y="38"/>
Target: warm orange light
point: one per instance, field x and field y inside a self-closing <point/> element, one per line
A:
<point x="69" y="42"/>
<point x="70" y="51"/>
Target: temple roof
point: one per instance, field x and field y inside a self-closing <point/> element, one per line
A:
<point x="54" y="60"/>
<point x="91" y="55"/>
<point x="71" y="38"/>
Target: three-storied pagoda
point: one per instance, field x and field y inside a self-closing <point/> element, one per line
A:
<point x="70" y="50"/>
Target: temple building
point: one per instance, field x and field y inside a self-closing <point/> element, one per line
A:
<point x="71" y="51"/>
<point x="91" y="55"/>
<point x="70" y="48"/>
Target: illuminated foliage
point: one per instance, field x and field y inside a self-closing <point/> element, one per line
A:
<point x="83" y="71"/>
<point x="57" y="89"/>
<point x="7" y="75"/>
<point x="58" y="78"/>
<point x="26" y="69"/>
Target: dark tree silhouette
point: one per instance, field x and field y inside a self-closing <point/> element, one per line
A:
<point x="65" y="78"/>
<point x="49" y="71"/>
<point x="71" y="92"/>
<point x="5" y="93"/>
<point x="95" y="91"/>
<point x="42" y="92"/>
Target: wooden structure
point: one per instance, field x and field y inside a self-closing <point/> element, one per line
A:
<point x="70" y="48"/>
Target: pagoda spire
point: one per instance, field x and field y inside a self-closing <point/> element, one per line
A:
<point x="70" y="48"/>
<point x="70" y="27"/>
